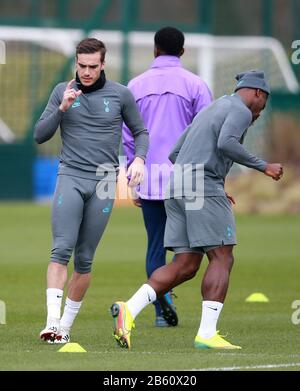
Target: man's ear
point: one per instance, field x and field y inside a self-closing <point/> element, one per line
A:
<point x="157" y="51"/>
<point x="258" y="92"/>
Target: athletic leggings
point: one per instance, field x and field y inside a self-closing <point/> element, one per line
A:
<point x="79" y="218"/>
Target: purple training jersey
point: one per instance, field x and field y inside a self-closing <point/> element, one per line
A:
<point x="168" y="97"/>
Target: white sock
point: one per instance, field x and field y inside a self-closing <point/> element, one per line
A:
<point x="144" y="296"/>
<point x="54" y="298"/>
<point x="210" y="314"/>
<point x="70" y="312"/>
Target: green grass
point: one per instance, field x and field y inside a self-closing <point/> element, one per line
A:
<point x="267" y="260"/>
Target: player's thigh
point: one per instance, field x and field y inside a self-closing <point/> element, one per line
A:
<point x="213" y="225"/>
<point x="67" y="209"/>
<point x="95" y="218"/>
<point x="221" y="254"/>
<point x="176" y="228"/>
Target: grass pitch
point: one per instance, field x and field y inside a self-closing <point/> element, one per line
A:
<point x="267" y="261"/>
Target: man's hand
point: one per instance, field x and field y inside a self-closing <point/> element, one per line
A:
<point x="274" y="170"/>
<point x="69" y="97"/>
<point x="231" y="199"/>
<point x="135" y="198"/>
<point x="135" y="172"/>
<point x="137" y="202"/>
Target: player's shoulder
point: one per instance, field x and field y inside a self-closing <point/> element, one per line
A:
<point x="135" y="81"/>
<point x="190" y="75"/>
<point x="119" y="89"/>
<point x="60" y="86"/>
<point x="191" y="78"/>
<point x="232" y="101"/>
<point x="113" y="84"/>
<point x="224" y="102"/>
<point x="59" y="89"/>
<point x="237" y="107"/>
<point x="194" y="83"/>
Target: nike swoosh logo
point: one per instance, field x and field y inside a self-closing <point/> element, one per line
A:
<point x="215" y="309"/>
<point x="59" y="297"/>
<point x="149" y="298"/>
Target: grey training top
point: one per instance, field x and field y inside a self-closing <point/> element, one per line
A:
<point x="91" y="128"/>
<point x="215" y="139"/>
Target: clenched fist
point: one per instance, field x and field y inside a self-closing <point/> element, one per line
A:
<point x="274" y="170"/>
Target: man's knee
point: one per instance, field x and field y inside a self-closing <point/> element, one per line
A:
<point x="62" y="262"/>
<point x="230" y="260"/>
<point x="189" y="264"/>
<point x="82" y="266"/>
<point x="191" y="271"/>
<point x="223" y="255"/>
<point x="61" y="253"/>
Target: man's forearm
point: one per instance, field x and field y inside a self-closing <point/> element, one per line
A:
<point x="46" y="127"/>
<point x="237" y="153"/>
<point x="141" y="142"/>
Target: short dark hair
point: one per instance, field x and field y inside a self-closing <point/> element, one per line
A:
<point x="91" y="45"/>
<point x="170" y="40"/>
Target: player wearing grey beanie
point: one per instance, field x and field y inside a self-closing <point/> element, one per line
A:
<point x="252" y="79"/>
<point x="200" y="219"/>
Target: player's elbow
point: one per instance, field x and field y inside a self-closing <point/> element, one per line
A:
<point x="223" y="146"/>
<point x="172" y="157"/>
<point x="190" y="272"/>
<point x="38" y="138"/>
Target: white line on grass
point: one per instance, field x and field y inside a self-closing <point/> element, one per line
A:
<point x="236" y="368"/>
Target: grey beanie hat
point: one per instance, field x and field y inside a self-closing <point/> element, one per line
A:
<point x="252" y="79"/>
